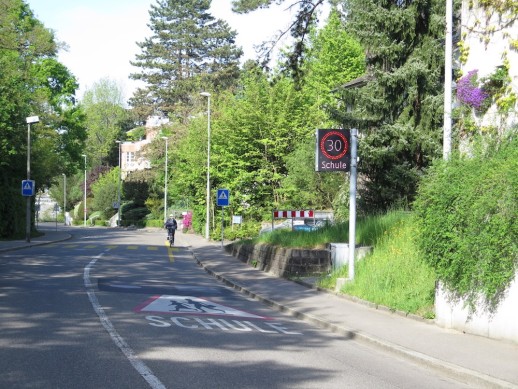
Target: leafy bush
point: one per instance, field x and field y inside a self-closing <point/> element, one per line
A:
<point x="134" y="216"/>
<point x="242" y="231"/>
<point x="467" y="230"/>
<point x="105" y="193"/>
<point x="155" y="223"/>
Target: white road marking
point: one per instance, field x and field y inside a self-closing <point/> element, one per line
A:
<point x="137" y="364"/>
<point x="188" y="304"/>
<point x="219" y="324"/>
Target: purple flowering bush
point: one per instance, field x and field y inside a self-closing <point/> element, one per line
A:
<point x="468" y="91"/>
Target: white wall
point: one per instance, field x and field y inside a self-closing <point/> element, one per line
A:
<point x="502" y="325"/>
<point x="486" y="56"/>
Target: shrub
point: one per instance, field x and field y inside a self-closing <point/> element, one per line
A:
<point x="135" y="216"/>
<point x="467" y="230"/>
<point x="155" y="223"/>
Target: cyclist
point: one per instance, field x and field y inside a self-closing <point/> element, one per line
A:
<point x="171" y="226"/>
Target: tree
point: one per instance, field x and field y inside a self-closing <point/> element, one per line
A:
<point x="189" y="51"/>
<point x="58" y="145"/>
<point x="399" y="108"/>
<point x="333" y="58"/>
<point x="305" y="20"/>
<point x="32" y="82"/>
<point x="105" y="192"/>
<point x="106" y="120"/>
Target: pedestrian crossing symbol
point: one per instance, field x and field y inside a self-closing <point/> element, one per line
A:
<point x="28" y="187"/>
<point x="223" y="198"/>
<point x="190" y="305"/>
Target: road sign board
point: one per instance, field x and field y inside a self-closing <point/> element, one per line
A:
<point x="223" y="198"/>
<point x="28" y="188"/>
<point x="332" y="151"/>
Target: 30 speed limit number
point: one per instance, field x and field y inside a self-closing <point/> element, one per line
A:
<point x="332" y="151"/>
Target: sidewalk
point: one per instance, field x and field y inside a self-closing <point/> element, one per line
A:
<point x="51" y="235"/>
<point x="479" y="361"/>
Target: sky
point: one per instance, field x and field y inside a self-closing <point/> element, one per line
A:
<point x="101" y="35"/>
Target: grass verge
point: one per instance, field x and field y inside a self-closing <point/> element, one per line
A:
<point x="393" y="275"/>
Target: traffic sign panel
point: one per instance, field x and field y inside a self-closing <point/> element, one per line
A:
<point x="332" y="151"/>
<point x="28" y="187"/>
<point x="223" y="198"/>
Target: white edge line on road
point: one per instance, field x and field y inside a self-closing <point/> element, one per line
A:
<point x="139" y="366"/>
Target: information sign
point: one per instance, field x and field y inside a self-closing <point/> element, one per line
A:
<point x="28" y="188"/>
<point x="223" y="198"/>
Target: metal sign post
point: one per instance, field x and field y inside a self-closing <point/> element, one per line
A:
<point x="223" y="200"/>
<point x="336" y="150"/>
<point x="352" y="202"/>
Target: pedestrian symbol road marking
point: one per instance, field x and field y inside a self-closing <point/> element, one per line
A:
<point x="189" y="305"/>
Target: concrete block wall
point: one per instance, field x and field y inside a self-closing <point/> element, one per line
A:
<point x="281" y="261"/>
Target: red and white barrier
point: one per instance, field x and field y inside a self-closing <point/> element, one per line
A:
<point x="292" y="214"/>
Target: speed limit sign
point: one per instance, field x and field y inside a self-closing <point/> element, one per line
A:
<point x="332" y="150"/>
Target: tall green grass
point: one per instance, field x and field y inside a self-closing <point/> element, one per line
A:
<point x="368" y="231"/>
<point x="393" y="275"/>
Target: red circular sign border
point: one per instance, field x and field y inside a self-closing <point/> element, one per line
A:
<point x="342" y="136"/>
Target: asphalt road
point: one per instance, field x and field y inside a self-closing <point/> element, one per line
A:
<point x="119" y="309"/>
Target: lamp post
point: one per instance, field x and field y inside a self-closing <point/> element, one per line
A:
<point x="447" y="80"/>
<point x="207" y="95"/>
<point x="65" y="197"/>
<point x="84" y="207"/>
<point x="30" y="120"/>
<point x="119" y="188"/>
<point x="165" y="179"/>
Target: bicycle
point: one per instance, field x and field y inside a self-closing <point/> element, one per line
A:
<point x="170" y="236"/>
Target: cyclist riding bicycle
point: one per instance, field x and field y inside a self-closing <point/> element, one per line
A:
<point x="171" y="225"/>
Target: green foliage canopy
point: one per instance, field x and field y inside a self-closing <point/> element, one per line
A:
<point x="398" y="107"/>
<point x="467" y="226"/>
<point x="189" y="51"/>
<point x="32" y="82"/>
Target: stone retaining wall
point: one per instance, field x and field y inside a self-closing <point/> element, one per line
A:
<point x="281" y="261"/>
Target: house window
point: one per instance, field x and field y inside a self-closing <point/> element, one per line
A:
<point x="130" y="157"/>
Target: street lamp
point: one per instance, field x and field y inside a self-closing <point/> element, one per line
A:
<point x="30" y="120"/>
<point x="165" y="184"/>
<point x="207" y="95"/>
<point x="119" y="188"/>
<point x="446" y="148"/>
<point x="84" y="207"/>
<point x="65" y="197"/>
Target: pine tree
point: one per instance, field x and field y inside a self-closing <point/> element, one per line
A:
<point x="399" y="109"/>
<point x="189" y="51"/>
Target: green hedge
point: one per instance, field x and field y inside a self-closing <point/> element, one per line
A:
<point x="155" y="223"/>
<point x="466" y="212"/>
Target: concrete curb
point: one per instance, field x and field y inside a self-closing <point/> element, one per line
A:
<point x="451" y="370"/>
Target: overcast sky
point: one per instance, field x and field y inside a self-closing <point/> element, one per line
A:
<point x="101" y="34"/>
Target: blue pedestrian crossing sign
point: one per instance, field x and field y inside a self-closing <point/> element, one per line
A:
<point x="28" y="187"/>
<point x="223" y="198"/>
